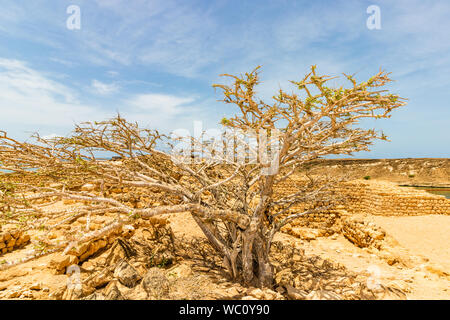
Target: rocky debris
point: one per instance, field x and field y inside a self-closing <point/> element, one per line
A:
<point x="304" y="277"/>
<point x="294" y="293"/>
<point x="304" y="233"/>
<point x="116" y="271"/>
<point x="263" y="294"/>
<point x="77" y="291"/>
<point x="12" y="240"/>
<point x="60" y="262"/>
<point x="179" y="271"/>
<point x="361" y="233"/>
<point x="95" y="296"/>
<point x="36" y="286"/>
<point x="100" y="278"/>
<point x="154" y="234"/>
<point x="112" y="292"/>
<point x="142" y="262"/>
<point x="156" y="284"/>
<point x="126" y="274"/>
<point x="85" y="250"/>
<point x="17" y="292"/>
<point x="121" y="273"/>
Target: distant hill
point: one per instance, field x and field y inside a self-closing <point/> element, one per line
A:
<point x="409" y="171"/>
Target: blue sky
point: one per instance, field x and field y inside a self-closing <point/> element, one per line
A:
<point x="155" y="61"/>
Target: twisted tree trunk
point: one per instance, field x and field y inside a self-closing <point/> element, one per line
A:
<point x="247" y="257"/>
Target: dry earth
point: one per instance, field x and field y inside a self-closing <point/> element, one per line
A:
<point x="428" y="237"/>
<point x="413" y="263"/>
<point x="418" y="278"/>
<point x="413" y="172"/>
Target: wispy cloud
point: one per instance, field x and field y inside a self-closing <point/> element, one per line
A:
<point x="33" y="99"/>
<point x="29" y="97"/>
<point x="161" y="104"/>
<point x="104" y="88"/>
<point x="17" y="76"/>
<point x="157" y="58"/>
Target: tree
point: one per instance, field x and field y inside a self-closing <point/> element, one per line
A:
<point x="226" y="181"/>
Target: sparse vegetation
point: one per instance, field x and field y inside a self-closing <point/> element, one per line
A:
<point x="231" y="201"/>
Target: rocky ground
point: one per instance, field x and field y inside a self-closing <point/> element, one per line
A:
<point x="168" y="258"/>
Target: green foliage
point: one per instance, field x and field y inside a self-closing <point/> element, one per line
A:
<point x="41" y="247"/>
<point x="225" y="121"/>
<point x="134" y="215"/>
<point x="7" y="188"/>
<point x="366" y="178"/>
<point x="164" y="263"/>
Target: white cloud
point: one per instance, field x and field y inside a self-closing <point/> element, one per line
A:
<point x="161" y="104"/>
<point x="104" y="88"/>
<point x="31" y="98"/>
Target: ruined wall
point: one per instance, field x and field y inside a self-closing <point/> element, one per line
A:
<point x="357" y="230"/>
<point x="386" y="198"/>
<point x="377" y="198"/>
<point x="11" y="240"/>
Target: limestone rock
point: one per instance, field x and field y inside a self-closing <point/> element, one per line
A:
<point x="36" y="286"/>
<point x="11" y="243"/>
<point x="61" y="261"/>
<point x="155" y="283"/>
<point x="95" y="296"/>
<point x="295" y="294"/>
<point x="101" y="278"/>
<point x="126" y="274"/>
<point x="257" y="293"/>
<point x="112" y="292"/>
<point x="179" y="271"/>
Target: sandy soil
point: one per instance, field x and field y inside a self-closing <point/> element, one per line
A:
<point x="418" y="282"/>
<point x="427" y="235"/>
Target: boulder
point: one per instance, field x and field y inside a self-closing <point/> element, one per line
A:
<point x="126" y="274"/>
<point x="112" y="292"/>
<point x="156" y="284"/>
<point x="179" y="271"/>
